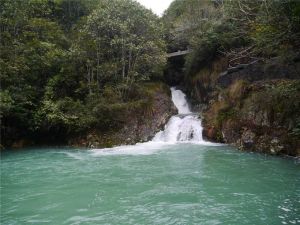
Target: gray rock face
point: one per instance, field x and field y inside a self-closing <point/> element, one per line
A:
<point x="276" y="146"/>
<point x="273" y="69"/>
<point x="255" y="123"/>
<point x="143" y="128"/>
<point x="140" y="126"/>
<point x="258" y="117"/>
<point x="251" y="140"/>
<point x="248" y="139"/>
<point x="230" y="133"/>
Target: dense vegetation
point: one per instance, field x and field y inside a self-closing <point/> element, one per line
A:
<point x="240" y="30"/>
<point x="259" y="43"/>
<point x="70" y="65"/>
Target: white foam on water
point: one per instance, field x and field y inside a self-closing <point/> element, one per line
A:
<point x="147" y="148"/>
<point x="73" y="155"/>
<point x="182" y="128"/>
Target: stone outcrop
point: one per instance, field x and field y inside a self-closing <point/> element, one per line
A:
<point x="141" y="126"/>
<point x="258" y="70"/>
<point x="255" y="107"/>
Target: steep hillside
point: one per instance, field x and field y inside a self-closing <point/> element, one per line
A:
<point x="243" y="71"/>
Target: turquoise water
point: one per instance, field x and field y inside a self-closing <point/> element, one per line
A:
<point x="178" y="184"/>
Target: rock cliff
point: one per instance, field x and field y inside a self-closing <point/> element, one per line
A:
<point x="255" y="107"/>
<point x="140" y="126"/>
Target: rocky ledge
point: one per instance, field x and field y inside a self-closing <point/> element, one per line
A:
<point x="141" y="124"/>
<point x="261" y="116"/>
<point x="253" y="106"/>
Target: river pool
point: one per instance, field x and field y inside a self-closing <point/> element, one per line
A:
<point x="148" y="184"/>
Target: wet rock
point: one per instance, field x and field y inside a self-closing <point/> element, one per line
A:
<point x="261" y="118"/>
<point x="210" y="134"/>
<point x="263" y="143"/>
<point x="248" y="139"/>
<point x="275" y="146"/>
<point x="231" y="131"/>
<point x="21" y="143"/>
<point x="250" y="116"/>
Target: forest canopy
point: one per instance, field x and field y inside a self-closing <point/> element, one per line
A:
<point x="68" y="65"/>
<point x="238" y="29"/>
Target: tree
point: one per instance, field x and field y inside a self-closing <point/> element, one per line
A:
<point x="128" y="43"/>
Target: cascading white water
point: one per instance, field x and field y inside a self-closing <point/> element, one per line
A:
<point x="181" y="128"/>
<point x="184" y="127"/>
<point x="179" y="100"/>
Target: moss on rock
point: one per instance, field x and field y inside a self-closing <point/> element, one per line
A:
<point x="262" y="116"/>
<point x="144" y="118"/>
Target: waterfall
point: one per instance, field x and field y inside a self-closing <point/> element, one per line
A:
<point x="183" y="127"/>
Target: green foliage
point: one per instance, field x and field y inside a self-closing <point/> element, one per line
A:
<point x="296" y="129"/>
<point x="276" y="24"/>
<point x="280" y="101"/>
<point x="213" y="28"/>
<point x="285" y="100"/>
<point x="226" y="114"/>
<point x="6" y="103"/>
<point x="67" y="66"/>
<point x="128" y="46"/>
<point x="277" y="103"/>
<point x="65" y="112"/>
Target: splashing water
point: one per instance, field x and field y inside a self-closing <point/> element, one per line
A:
<point x="185" y="183"/>
<point x="184" y="127"/>
<point x="179" y="100"/>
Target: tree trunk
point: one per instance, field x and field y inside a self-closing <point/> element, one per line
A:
<point x="123" y="60"/>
